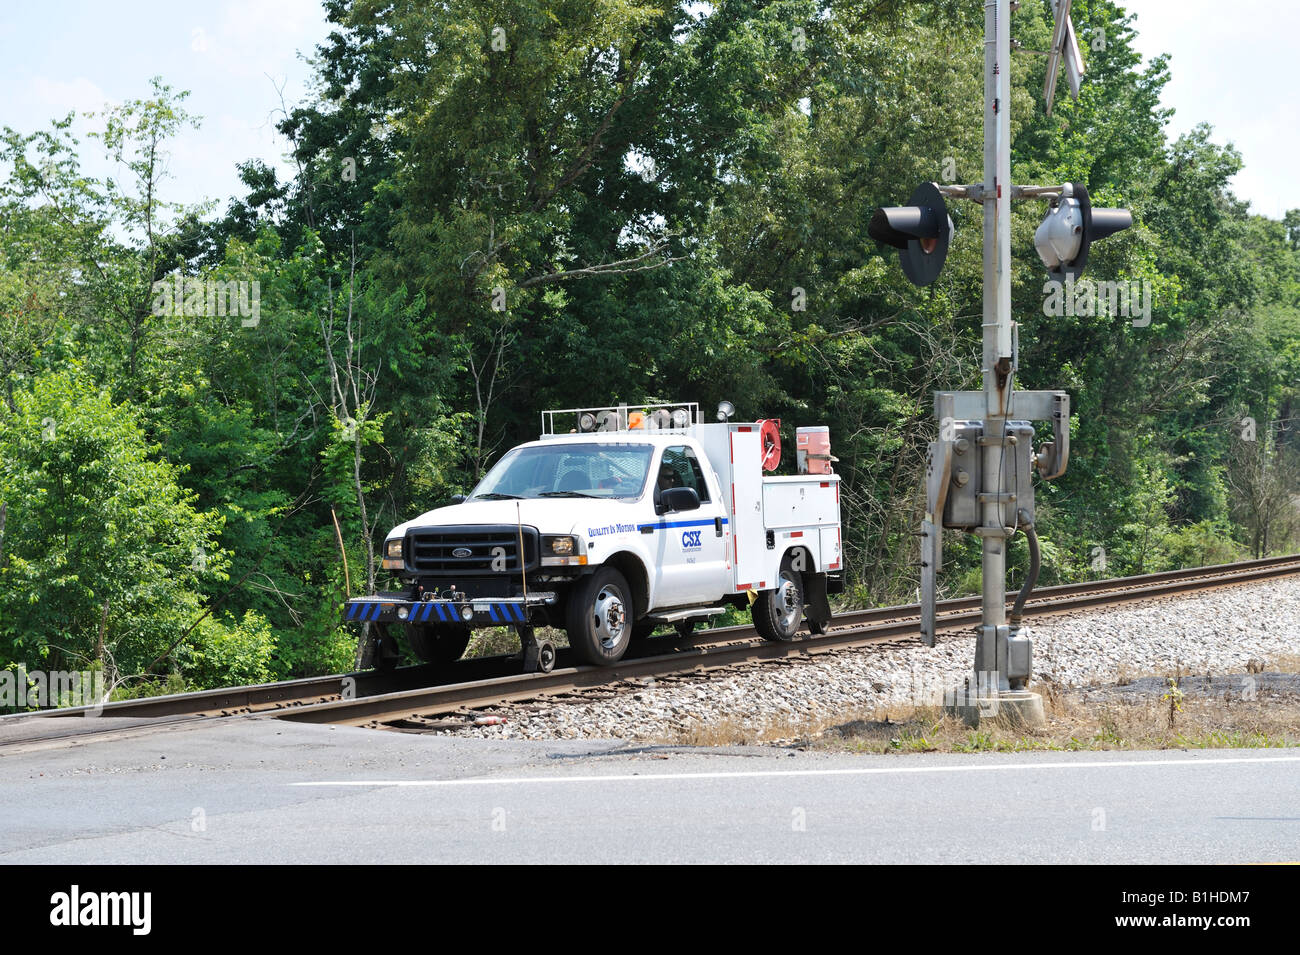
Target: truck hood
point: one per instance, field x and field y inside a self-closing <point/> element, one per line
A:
<point x="558" y="515"/>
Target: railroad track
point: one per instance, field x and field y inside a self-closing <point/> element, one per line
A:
<point x="126" y="718"/>
<point x="422" y="696"/>
<point x="729" y="647"/>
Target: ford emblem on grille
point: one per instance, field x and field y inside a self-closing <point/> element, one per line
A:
<point x="462" y="552"/>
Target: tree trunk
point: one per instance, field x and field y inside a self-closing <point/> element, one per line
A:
<point x="99" y="640"/>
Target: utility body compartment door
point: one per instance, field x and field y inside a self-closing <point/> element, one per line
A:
<point x="804" y="511"/>
<point x="751" y="561"/>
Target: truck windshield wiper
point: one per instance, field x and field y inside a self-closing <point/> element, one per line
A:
<point x="566" y="494"/>
<point x="496" y="496"/>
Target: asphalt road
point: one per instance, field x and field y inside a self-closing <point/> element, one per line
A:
<point x="249" y="790"/>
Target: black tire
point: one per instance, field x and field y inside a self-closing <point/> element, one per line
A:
<point x="778" y="613"/>
<point x="598" y="617"/>
<point x="437" y="643"/>
<point x="684" y="628"/>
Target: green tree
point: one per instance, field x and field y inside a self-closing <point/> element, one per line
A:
<point x="103" y="549"/>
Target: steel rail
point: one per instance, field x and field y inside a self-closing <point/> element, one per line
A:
<point x="468" y="683"/>
<point x="884" y="625"/>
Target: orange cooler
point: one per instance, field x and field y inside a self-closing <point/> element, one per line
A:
<point x="813" y="449"/>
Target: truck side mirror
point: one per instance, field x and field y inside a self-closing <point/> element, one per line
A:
<point x="679" y="499"/>
<point x="458" y="499"/>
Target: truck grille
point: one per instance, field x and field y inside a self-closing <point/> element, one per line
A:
<point x="472" y="550"/>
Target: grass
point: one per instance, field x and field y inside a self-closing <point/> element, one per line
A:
<point x="1168" y="719"/>
<point x="734" y="732"/>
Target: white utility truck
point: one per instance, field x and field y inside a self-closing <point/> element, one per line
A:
<point x="615" y="522"/>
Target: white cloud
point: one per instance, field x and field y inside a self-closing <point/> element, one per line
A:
<point x="1234" y="70"/>
<point x="258" y="38"/>
<point x="58" y="97"/>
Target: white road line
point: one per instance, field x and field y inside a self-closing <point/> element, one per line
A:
<point x="760" y="774"/>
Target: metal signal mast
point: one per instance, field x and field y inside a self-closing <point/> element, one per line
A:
<point x="979" y="471"/>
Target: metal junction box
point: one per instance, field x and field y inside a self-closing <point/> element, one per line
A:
<point x="962" y="509"/>
<point x="1020" y="480"/>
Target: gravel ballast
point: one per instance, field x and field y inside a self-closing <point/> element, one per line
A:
<point x="1228" y="630"/>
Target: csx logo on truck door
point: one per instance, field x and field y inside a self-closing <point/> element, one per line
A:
<point x="691" y="539"/>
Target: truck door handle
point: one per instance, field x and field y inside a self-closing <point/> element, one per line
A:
<point x="717" y="525"/>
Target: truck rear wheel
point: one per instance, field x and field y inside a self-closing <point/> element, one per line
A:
<point x="599" y="617"/>
<point x="437" y="643"/>
<point x="778" y="613"/>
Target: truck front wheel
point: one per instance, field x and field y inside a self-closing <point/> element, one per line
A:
<point x="778" y="613"/>
<point x="437" y="643"/>
<point x="599" y="617"/>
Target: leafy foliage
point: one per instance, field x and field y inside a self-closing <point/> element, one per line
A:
<point x="505" y="205"/>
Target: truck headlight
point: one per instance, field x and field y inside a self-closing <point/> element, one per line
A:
<point x="393" y="554"/>
<point x="560" y="551"/>
<point x="560" y="546"/>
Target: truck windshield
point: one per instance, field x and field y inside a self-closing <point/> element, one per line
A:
<point x="571" y="470"/>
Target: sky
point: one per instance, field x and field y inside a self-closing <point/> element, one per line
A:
<point x="1232" y="66"/>
<point x="62" y="55"/>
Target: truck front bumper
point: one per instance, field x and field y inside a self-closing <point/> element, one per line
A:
<point x="476" y="612"/>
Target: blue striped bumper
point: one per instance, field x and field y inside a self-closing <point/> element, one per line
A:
<point x="485" y="613"/>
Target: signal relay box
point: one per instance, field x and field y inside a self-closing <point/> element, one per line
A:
<point x="962" y="507"/>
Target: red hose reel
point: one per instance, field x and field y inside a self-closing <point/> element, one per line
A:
<point x="769" y="431"/>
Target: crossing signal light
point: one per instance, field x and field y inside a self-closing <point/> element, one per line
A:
<point x="921" y="231"/>
<point x="1070" y="228"/>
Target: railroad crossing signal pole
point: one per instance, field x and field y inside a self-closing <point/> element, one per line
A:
<point x="993" y="446"/>
<point x="991" y="676"/>
<point x="979" y="472"/>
